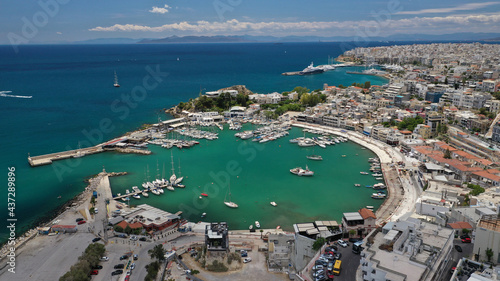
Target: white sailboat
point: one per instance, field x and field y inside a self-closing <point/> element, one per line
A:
<point x="116" y="81"/>
<point x="179" y="179"/>
<point x="173" y="177"/>
<point x="229" y="203"/>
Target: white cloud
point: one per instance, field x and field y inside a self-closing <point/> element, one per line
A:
<point x="464" y="7"/>
<point x="160" y="10"/>
<point x="414" y="24"/>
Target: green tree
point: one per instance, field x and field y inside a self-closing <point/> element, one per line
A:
<point x="318" y="243"/>
<point x="301" y="90"/>
<point x="367" y="85"/>
<point x="158" y="252"/>
<point x="489" y="254"/>
<point x="118" y="228"/>
<point x="128" y="229"/>
<point x="465" y="231"/>
<point x="447" y="154"/>
<point x="352" y="232"/>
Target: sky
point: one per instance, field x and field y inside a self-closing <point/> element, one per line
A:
<point x="45" y="21"/>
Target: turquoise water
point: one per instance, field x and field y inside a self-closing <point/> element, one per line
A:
<point x="72" y="93"/>
<point x="258" y="174"/>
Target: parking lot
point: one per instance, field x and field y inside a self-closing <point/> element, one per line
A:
<point x="350" y="263"/>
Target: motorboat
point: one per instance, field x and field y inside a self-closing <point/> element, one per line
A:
<point x="306" y="172"/>
<point x="314" y="157"/>
<point x="257" y="224"/>
<point x="378" y="195"/>
<point x="203" y="215"/>
<point x="145" y="194"/>
<point x="364" y="173"/>
<point x="274" y="204"/>
<point x="136" y="196"/>
<point x="357" y="184"/>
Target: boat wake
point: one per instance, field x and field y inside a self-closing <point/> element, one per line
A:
<point x="5" y="95"/>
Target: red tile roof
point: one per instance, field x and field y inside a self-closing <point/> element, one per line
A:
<point x="485" y="174"/>
<point x="460" y="225"/>
<point x="365" y="213"/>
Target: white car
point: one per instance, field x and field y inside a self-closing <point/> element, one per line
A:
<point x="96" y="210"/>
<point x="247" y="260"/>
<point x="342" y="243"/>
<point x="104" y="259"/>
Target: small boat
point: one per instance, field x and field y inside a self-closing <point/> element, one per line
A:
<point x="116" y="81"/>
<point x="161" y="190"/>
<point x="274" y="204"/>
<point x="377" y="175"/>
<point x="306" y="172"/>
<point x="278" y="227"/>
<point x="257" y="224"/>
<point x="203" y="215"/>
<point x="155" y="191"/>
<point x="378" y="195"/>
<point x="314" y="157"/>
<point x="250" y="227"/>
<point x="199" y="197"/>
<point x="204" y="194"/>
<point x="379" y="179"/>
<point x="171" y="188"/>
<point x="59" y="197"/>
<point x="343" y="155"/>
<point x="369" y="207"/>
<point x="229" y="203"/>
<point x="364" y="173"/>
<point x="145" y="194"/>
<point x="357" y="184"/>
<point x="118" y="206"/>
<point x="136" y="196"/>
<point x="296" y="171"/>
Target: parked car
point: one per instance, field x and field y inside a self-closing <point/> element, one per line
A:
<point x="354" y="240"/>
<point x="132" y="266"/>
<point x="133" y="238"/>
<point x="97" y="267"/>
<point x="116" y="272"/>
<point x="136" y="257"/>
<point x="104" y="259"/>
<point x="94" y="272"/>
<point x="124" y="257"/>
<point x="317" y="267"/>
<point x="466" y="240"/>
<point x="319" y="273"/>
<point x="96" y="239"/>
<point x="119" y="266"/>
<point x="247" y="260"/>
<point x="338" y="256"/>
<point x="96" y="210"/>
<point x="143" y="239"/>
<point x="458" y="248"/>
<point x="464" y="236"/>
<point x="342" y="243"/>
<point x="81" y="222"/>
<point x="330" y="266"/>
<point x="244" y="254"/>
<point x="79" y="219"/>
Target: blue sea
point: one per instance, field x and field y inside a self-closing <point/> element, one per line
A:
<point x="74" y="102"/>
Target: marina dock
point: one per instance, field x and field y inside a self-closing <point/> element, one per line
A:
<point x="49" y="158"/>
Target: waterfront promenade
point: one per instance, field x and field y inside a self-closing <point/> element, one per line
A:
<point x="402" y="194"/>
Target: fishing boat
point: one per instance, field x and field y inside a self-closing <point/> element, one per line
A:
<point x="257" y="224"/>
<point x="314" y="157"/>
<point x="379" y="179"/>
<point x="204" y="194"/>
<point x="377" y="175"/>
<point x="229" y="203"/>
<point x="357" y="184"/>
<point x="364" y="173"/>
<point x="296" y="171"/>
<point x="116" y="81"/>
<point x="274" y="204"/>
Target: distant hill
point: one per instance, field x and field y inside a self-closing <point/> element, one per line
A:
<point x="464" y="36"/>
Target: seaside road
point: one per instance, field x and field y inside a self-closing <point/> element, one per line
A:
<point x="47" y="257"/>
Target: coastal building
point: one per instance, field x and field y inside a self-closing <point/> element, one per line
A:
<point x="216" y="237"/>
<point x="152" y="219"/>
<point x="487" y="236"/>
<point x="281" y="249"/>
<point x="361" y="222"/>
<point x="305" y="236"/>
<point x="407" y="250"/>
<point x="64" y="228"/>
<point x="215" y="94"/>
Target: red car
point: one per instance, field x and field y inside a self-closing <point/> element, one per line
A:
<point x="127" y="278"/>
<point x="81" y="222"/>
<point x="94" y="272"/>
<point x="466" y="240"/>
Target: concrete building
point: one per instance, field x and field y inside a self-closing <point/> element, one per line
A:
<point x="362" y="222"/>
<point x="488" y="237"/>
<point x="152" y="219"/>
<point x="433" y="120"/>
<point x="281" y="249"/>
<point x="216" y="237"/>
<point x="409" y="250"/>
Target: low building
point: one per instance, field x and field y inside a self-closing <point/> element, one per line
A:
<point x="152" y="219"/>
<point x="362" y="222"/>
<point x="64" y="228"/>
<point x="216" y="237"/>
<point x="280" y="251"/>
<point x="408" y="250"/>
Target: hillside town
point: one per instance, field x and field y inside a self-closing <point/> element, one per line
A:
<point x="435" y="127"/>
